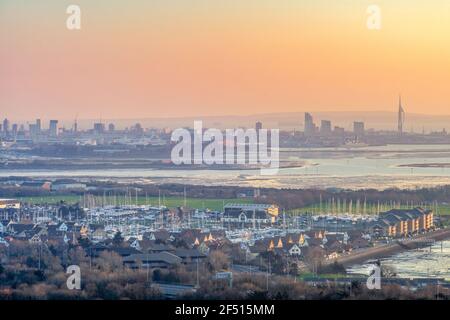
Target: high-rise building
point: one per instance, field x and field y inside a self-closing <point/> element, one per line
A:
<point x="32" y="129"/>
<point x="358" y="128"/>
<point x="137" y="129"/>
<point x="38" y="126"/>
<point x="99" y="127"/>
<point x="14" y="129"/>
<point x="401" y="116"/>
<point x="53" y="128"/>
<point x="6" y="126"/>
<point x="325" y="127"/>
<point x="111" y="127"/>
<point x="310" y="127"/>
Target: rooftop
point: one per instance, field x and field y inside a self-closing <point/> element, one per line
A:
<point x="247" y="206"/>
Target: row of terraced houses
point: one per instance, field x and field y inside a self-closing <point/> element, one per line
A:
<point x="403" y="222"/>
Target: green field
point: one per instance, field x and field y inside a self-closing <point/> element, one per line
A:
<point x="170" y="202"/>
<point x="440" y="209"/>
<point x="307" y="275"/>
<point x="213" y="204"/>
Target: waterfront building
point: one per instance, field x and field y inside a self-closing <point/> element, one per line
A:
<point x="403" y="222"/>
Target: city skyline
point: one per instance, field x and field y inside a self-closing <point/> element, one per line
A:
<point x="226" y="157"/>
<point x="159" y="60"/>
<point x="373" y="120"/>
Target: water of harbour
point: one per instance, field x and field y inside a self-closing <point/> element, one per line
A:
<point x="428" y="262"/>
<point x="381" y="167"/>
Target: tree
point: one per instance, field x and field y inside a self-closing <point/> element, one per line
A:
<point x="157" y="275"/>
<point x="109" y="262"/>
<point x="78" y="256"/>
<point x="388" y="271"/>
<point x="293" y="269"/>
<point x="217" y="261"/>
<point x="315" y="258"/>
<point x="118" y="239"/>
<point x="335" y="268"/>
<point x="84" y="242"/>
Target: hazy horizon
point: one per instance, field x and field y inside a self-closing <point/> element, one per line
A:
<point x="378" y="120"/>
<point x="181" y="58"/>
<point x="200" y="116"/>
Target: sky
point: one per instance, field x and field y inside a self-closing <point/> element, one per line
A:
<point x="175" y="58"/>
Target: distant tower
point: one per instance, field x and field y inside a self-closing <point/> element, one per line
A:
<point x="38" y="125"/>
<point x="6" y="126"/>
<point x="310" y="127"/>
<point x="53" y="128"/>
<point x="358" y="129"/>
<point x="401" y="115"/>
<point x="75" y="124"/>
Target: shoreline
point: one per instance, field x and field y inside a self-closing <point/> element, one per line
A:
<point x="390" y="249"/>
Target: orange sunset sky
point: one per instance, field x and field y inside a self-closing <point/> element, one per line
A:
<point x="177" y="58"/>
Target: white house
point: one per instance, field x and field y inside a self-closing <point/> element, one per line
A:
<point x="63" y="227"/>
<point x="135" y="244"/>
<point x="36" y="239"/>
<point x="295" y="250"/>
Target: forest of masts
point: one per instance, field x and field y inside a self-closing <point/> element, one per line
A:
<point x="332" y="206"/>
<point x="128" y="198"/>
<point x="338" y="206"/>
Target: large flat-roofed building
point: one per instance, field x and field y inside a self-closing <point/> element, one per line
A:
<point x="250" y="213"/>
<point x="67" y="184"/>
<point x="9" y="203"/>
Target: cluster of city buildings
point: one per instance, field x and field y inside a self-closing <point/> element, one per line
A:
<point x="12" y="131"/>
<point x="323" y="134"/>
<point x="326" y="129"/>
<point x="37" y="133"/>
